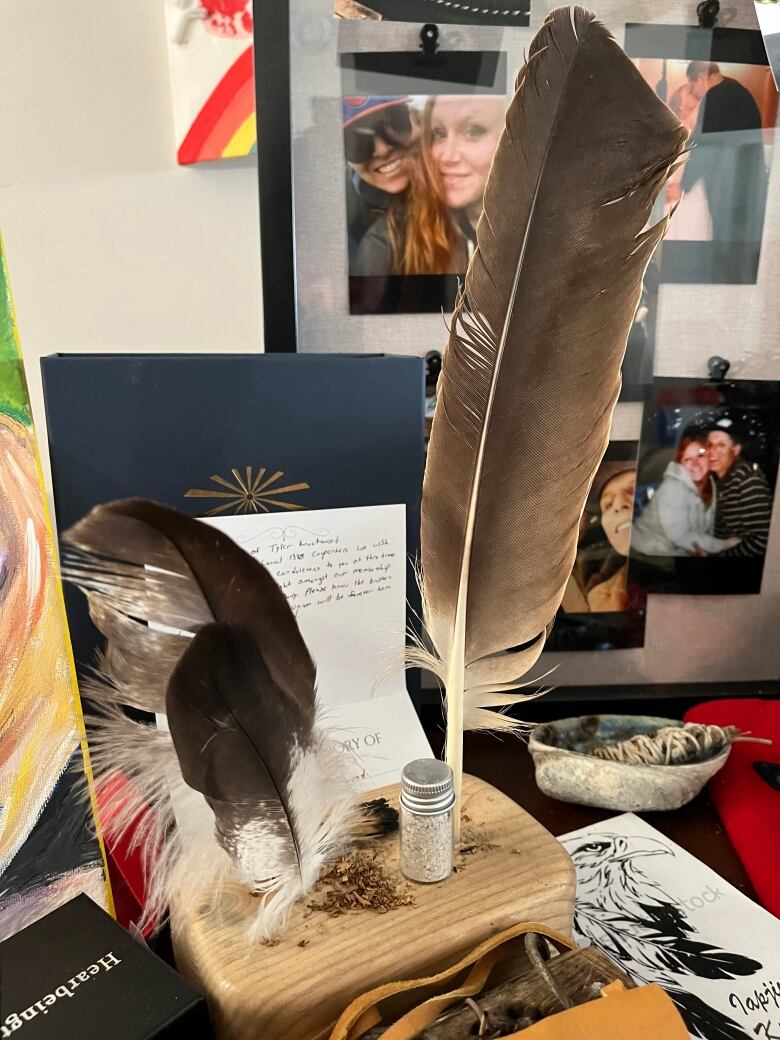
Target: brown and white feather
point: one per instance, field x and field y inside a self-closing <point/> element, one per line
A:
<point x="531" y="372"/>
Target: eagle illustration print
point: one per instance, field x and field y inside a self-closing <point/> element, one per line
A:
<point x="628" y="916"/>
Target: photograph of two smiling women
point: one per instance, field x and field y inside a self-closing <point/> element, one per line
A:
<point x="416" y="174"/>
<point x="415" y="170"/>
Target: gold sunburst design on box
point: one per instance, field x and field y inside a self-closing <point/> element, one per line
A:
<point x="251" y="493"/>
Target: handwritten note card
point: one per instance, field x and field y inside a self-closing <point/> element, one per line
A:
<point x="344" y="574"/>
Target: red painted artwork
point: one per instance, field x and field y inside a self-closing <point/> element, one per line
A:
<point x="228" y="17"/>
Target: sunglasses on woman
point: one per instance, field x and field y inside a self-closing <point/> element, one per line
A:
<point x="393" y="126"/>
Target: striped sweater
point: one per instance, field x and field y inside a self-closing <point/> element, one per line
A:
<point x="743" y="509"/>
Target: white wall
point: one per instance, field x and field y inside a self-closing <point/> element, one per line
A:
<point x="111" y="246"/>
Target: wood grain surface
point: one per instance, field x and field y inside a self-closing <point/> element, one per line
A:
<point x="296" y="989"/>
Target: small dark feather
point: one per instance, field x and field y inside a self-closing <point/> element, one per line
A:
<point x="377" y="819"/>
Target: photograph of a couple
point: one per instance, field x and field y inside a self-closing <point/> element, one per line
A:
<point x="720" y="189"/>
<point x="705" y="485"/>
<point x="600" y="609"/>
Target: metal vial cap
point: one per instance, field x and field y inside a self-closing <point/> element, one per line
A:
<point x="427" y="786"/>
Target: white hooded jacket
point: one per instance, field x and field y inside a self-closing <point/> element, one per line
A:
<point x="675" y="518"/>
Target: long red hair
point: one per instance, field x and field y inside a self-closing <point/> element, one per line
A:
<point x="423" y="236"/>
<point x="705" y="484"/>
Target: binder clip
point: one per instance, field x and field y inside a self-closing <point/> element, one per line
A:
<point x="429" y="39"/>
<point x="707" y="12"/>
<point x="718" y="367"/>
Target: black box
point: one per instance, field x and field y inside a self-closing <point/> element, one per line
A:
<point x="76" y="975"/>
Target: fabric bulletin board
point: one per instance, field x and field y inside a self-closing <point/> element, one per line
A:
<point x="717" y="635"/>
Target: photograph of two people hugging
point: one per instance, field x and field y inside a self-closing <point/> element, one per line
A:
<point x="722" y="90"/>
<point x="692" y="517"/>
<point x="711" y="501"/>
<point x="704" y="488"/>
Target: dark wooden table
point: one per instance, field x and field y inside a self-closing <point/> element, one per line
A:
<point x="505" y="763"/>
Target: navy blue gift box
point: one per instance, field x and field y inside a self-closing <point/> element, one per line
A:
<point x="232" y="433"/>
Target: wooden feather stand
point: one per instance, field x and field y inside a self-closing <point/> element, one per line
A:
<point x="512" y="871"/>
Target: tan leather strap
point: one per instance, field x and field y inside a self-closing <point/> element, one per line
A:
<point x="364" y="1012"/>
<point x="367" y="1020"/>
<point x="425" y="1014"/>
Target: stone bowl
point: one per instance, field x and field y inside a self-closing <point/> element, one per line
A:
<point x="567" y="770"/>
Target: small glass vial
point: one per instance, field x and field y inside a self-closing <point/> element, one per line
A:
<point x="426" y="820"/>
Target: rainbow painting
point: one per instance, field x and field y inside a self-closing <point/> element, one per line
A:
<point x="49" y="847"/>
<point x="211" y="59"/>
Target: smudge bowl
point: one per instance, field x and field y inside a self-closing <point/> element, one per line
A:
<point x="567" y="769"/>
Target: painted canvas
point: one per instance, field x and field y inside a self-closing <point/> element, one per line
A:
<point x="49" y="848"/>
<point x="211" y="58"/>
